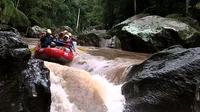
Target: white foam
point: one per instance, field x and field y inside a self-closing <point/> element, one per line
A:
<point x="60" y="102"/>
<point x="113" y="98"/>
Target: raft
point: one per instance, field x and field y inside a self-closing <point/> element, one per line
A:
<point x="54" y="55"/>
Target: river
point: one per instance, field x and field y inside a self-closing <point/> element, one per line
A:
<point x="92" y="81"/>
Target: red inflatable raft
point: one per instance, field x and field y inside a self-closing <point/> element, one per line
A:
<point x="54" y="55"/>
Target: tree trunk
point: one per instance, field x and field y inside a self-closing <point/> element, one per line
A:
<point x="77" y="23"/>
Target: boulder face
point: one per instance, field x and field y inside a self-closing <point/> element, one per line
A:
<point x="92" y="38"/>
<point x="185" y="19"/>
<point x="169" y="81"/>
<point x="154" y="33"/>
<point x="35" y="31"/>
<point x="13" y="52"/>
<point x="57" y="30"/>
<point x="35" y="87"/>
<point x="16" y="86"/>
<point x="4" y="27"/>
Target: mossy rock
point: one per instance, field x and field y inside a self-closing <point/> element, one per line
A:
<point x="154" y="33"/>
<point x="9" y="14"/>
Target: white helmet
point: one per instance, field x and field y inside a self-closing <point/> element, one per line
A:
<point x="49" y="31"/>
<point x="69" y="34"/>
<point x="66" y="35"/>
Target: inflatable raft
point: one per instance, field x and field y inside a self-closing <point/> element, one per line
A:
<point x="54" y="55"/>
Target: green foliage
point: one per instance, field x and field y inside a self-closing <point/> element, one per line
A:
<point x="19" y="19"/>
<point x="50" y="13"/>
<point x="9" y="14"/>
<point x="91" y="12"/>
<point x="6" y="11"/>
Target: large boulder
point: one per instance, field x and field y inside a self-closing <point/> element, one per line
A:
<point x="169" y="81"/>
<point x="113" y="42"/>
<point x="154" y="33"/>
<point x="35" y="87"/>
<point x="4" y="27"/>
<point x="15" y="86"/>
<point x="185" y="19"/>
<point x="92" y="38"/>
<point x="57" y="30"/>
<point x="35" y="31"/>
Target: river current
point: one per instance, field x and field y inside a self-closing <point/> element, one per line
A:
<point x="92" y="81"/>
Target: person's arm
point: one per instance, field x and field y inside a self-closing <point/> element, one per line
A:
<point x="59" y="43"/>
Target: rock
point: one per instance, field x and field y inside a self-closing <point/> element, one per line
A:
<point x="34" y="31"/>
<point x="57" y="30"/>
<point x="185" y="19"/>
<point x="96" y="27"/>
<point x="154" y="33"/>
<point x="16" y="87"/>
<point x="36" y="87"/>
<point x="14" y="55"/>
<point x="92" y="38"/>
<point x="166" y="82"/>
<point x="12" y="49"/>
<point x="113" y="42"/>
<point x="4" y="27"/>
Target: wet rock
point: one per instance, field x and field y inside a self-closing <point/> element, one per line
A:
<point x="35" y="87"/>
<point x="92" y="38"/>
<point x="166" y="82"/>
<point x="113" y="42"/>
<point x="57" y="30"/>
<point x="96" y="27"/>
<point x="4" y="27"/>
<point x="154" y="33"/>
<point x="14" y="55"/>
<point x="15" y="85"/>
<point x="13" y="52"/>
<point x="35" y="31"/>
<point x="187" y="20"/>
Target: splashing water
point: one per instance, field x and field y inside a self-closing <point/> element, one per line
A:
<point x="85" y="86"/>
<point x="60" y="102"/>
<point x="113" y="70"/>
<point x="93" y="91"/>
<point x="75" y="90"/>
<point x="113" y="98"/>
<point x="90" y="63"/>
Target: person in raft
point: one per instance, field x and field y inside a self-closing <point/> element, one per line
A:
<point x="47" y="39"/>
<point x="69" y="42"/>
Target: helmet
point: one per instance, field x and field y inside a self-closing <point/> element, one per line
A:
<point x="69" y="34"/>
<point x="66" y="36"/>
<point x="48" y="31"/>
<point x="65" y="32"/>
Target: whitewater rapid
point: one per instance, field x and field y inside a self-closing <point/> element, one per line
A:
<point x="92" y="82"/>
<point x="89" y="84"/>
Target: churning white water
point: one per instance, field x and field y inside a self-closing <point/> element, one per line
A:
<point x="88" y="85"/>
<point x="108" y="93"/>
<point x="91" y="83"/>
<point x="60" y="101"/>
